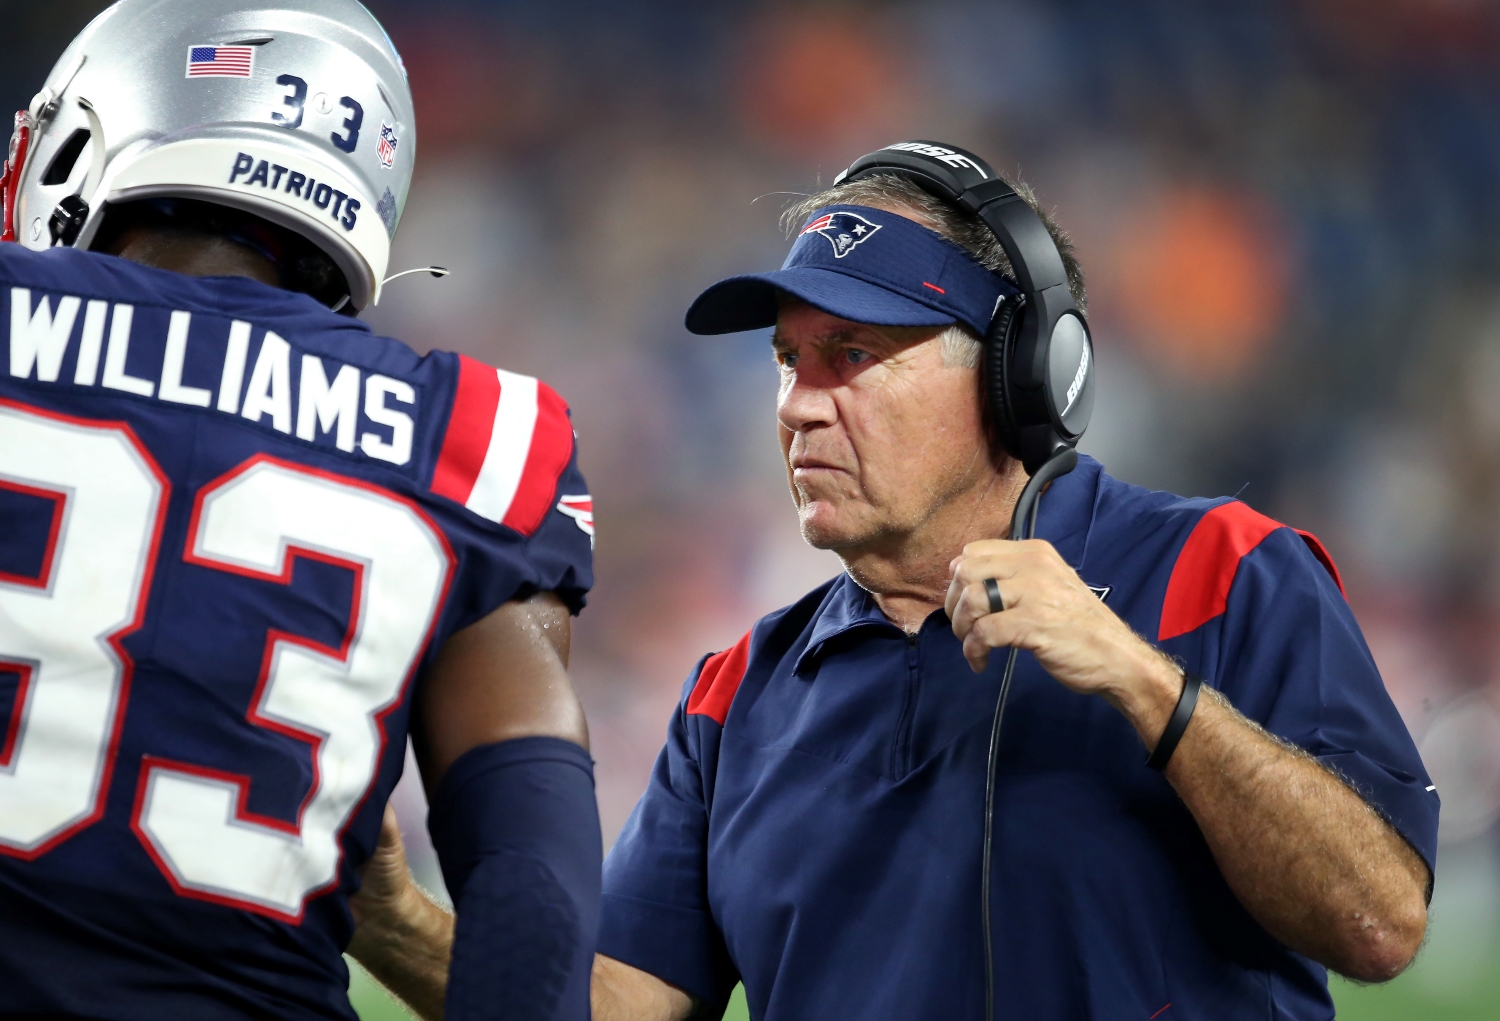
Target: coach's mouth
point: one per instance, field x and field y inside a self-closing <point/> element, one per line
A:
<point x="811" y="467"/>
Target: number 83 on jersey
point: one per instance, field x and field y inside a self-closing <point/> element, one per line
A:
<point x="61" y="628"/>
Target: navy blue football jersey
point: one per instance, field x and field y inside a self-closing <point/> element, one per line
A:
<point x="235" y="528"/>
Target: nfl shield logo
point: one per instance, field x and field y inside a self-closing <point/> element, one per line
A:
<point x="386" y="147"/>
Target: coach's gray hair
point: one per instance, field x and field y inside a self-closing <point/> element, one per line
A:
<point x="960" y="347"/>
<point x="964" y="229"/>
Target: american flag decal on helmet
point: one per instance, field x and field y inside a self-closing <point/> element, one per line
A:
<point x="220" y="61"/>
<point x="581" y="510"/>
<point x="509" y="440"/>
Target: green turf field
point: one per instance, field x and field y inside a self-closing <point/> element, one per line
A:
<point x="1456" y="977"/>
<point x="1415" y="996"/>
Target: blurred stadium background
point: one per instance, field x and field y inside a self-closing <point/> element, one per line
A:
<point x="1289" y="212"/>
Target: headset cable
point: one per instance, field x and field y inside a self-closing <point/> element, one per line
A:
<point x="1022" y="526"/>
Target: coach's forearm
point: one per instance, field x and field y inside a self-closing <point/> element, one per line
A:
<point x="407" y="949"/>
<point x="1303" y="852"/>
<point x="623" y="993"/>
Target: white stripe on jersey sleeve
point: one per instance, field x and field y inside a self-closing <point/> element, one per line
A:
<point x="510" y="443"/>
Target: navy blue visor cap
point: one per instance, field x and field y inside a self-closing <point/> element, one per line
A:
<point x="865" y="265"/>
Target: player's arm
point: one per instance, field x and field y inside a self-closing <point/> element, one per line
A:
<point x="405" y="940"/>
<point x="501" y="741"/>
<point x="501" y="678"/>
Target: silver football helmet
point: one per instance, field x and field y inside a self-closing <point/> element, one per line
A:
<point x="299" y="113"/>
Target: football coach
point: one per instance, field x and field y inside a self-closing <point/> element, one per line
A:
<point x="1200" y="794"/>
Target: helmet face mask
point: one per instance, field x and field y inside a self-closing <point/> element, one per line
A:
<point x="299" y="115"/>
<point x="10" y="174"/>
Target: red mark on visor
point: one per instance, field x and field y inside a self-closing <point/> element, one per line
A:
<point x="935" y="287"/>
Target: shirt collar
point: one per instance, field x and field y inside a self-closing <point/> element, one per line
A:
<point x="1066" y="519"/>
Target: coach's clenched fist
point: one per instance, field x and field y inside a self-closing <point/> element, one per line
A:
<point x="1050" y="612"/>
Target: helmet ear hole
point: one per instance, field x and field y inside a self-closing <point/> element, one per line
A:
<point x="66" y="159"/>
<point x="67" y="220"/>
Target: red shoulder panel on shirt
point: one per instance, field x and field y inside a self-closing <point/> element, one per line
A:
<point x="1324" y="558"/>
<point x="1198" y="590"/>
<point x="719" y="680"/>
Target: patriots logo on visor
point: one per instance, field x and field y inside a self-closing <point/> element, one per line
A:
<point x="843" y="230"/>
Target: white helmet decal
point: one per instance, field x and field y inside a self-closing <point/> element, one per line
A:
<point x="298" y="113"/>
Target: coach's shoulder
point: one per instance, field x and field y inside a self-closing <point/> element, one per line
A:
<point x="1126" y="509"/>
<point x="1195" y="548"/>
<point x="711" y="689"/>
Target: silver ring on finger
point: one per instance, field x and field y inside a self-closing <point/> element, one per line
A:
<point x="992" y="589"/>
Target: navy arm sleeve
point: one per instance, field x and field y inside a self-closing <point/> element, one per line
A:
<point x="516" y="828"/>
<point x="656" y="913"/>
<point x="1292" y="657"/>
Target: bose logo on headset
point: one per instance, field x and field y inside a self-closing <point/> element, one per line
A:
<point x="1078" y="380"/>
<point x="937" y="152"/>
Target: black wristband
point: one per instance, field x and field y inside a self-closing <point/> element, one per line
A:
<point x="1186" y="703"/>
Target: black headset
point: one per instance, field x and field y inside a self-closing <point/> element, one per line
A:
<point x="1038" y="355"/>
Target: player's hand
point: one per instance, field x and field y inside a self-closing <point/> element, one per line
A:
<point x="1050" y="612"/>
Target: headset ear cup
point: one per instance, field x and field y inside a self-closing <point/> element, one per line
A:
<point x="1000" y="410"/>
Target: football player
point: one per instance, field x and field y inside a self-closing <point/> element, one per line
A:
<point x="246" y="546"/>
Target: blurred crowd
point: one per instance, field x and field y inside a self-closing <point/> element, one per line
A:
<point x="1288" y="212"/>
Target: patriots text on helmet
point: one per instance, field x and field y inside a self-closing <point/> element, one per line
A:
<point x="271" y="175"/>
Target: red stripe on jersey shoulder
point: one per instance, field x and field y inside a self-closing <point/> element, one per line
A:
<point x="1324" y="558"/>
<point x="1198" y="590"/>
<point x="551" y="450"/>
<point x="719" y="680"/>
<point x="469" y="427"/>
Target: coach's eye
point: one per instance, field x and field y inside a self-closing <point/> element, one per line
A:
<point x="857" y="357"/>
<point x="786" y="359"/>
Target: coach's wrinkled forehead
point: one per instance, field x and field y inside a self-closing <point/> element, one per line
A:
<point x="866" y="265"/>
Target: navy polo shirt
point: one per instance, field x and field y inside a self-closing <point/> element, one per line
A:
<point x="813" y="826"/>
